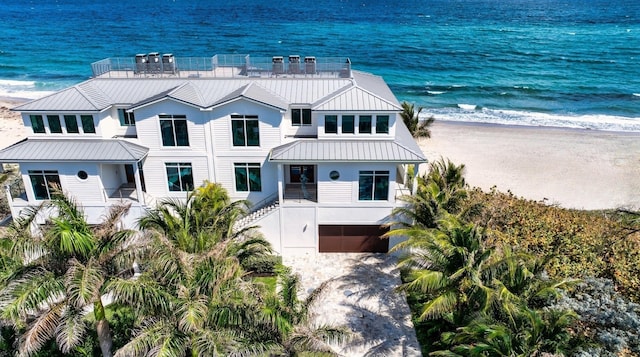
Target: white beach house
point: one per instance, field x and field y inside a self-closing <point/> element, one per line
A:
<point x="319" y="148"/>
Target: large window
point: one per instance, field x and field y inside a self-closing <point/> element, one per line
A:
<point x="245" y="130"/>
<point x="54" y="124"/>
<point x="87" y="124"/>
<point x="37" y="124"/>
<point x="71" y="122"/>
<point x="247" y="177"/>
<point x="179" y="176"/>
<point x="331" y="124"/>
<point x="364" y="124"/>
<point x="373" y="185"/>
<point x="382" y="124"/>
<point x="174" y="130"/>
<point x="301" y="117"/>
<point x="347" y="124"/>
<point x="45" y="183"/>
<point x="126" y="118"/>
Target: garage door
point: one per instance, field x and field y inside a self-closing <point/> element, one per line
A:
<point x="352" y="239"/>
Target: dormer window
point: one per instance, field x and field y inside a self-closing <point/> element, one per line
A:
<point x="382" y="124"/>
<point x="300" y="117"/>
<point x="54" y="124"/>
<point x="37" y="124"/>
<point x="364" y="124"/>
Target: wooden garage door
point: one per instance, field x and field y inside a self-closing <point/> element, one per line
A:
<point x="352" y="239"/>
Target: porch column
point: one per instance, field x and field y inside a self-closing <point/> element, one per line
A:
<point x="136" y="175"/>
<point x="416" y="172"/>
<point x="280" y="183"/>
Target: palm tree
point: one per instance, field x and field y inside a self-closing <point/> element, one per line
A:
<point x="441" y="191"/>
<point x="206" y="218"/>
<point x="446" y="266"/>
<point x="196" y="304"/>
<point x="63" y="271"/>
<point x="297" y="333"/>
<point x="411" y="118"/>
<point x="192" y="295"/>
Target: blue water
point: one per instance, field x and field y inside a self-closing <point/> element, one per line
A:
<point x="573" y="63"/>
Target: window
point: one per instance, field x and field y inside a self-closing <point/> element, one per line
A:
<point x="347" y="124"/>
<point x="71" y="123"/>
<point x="37" y="124"/>
<point x="87" y="124"/>
<point x="179" y="176"/>
<point x="373" y="185"/>
<point x="300" y="117"/>
<point x="126" y="118"/>
<point x="245" y="130"/>
<point x="45" y="183"/>
<point x="54" y="124"/>
<point x="174" y="130"/>
<point x="247" y="177"/>
<point x="83" y="175"/>
<point x="364" y="124"/>
<point x="382" y="124"/>
<point x="331" y="124"/>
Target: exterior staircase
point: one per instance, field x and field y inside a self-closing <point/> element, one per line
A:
<point x="257" y="212"/>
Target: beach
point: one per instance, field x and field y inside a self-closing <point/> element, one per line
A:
<point x="574" y="168"/>
<point x="12" y="129"/>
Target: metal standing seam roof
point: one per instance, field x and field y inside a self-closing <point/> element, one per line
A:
<point x="96" y="150"/>
<point x="345" y="151"/>
<point x="256" y="93"/>
<point x="357" y="99"/>
<point x="98" y="94"/>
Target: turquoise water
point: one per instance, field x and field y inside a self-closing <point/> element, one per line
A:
<point x="573" y="63"/>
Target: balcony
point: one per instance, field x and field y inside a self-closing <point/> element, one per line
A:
<point x="295" y="192"/>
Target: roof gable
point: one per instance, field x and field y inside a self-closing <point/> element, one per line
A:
<point x="356" y="99"/>
<point x="256" y="93"/>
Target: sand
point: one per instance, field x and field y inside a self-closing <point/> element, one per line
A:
<point x="583" y="169"/>
<point x="12" y="129"/>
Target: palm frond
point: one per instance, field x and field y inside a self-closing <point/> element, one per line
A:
<point x="84" y="282"/>
<point x="41" y="330"/>
<point x="71" y="330"/>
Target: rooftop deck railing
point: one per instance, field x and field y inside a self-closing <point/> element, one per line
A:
<point x="225" y="65"/>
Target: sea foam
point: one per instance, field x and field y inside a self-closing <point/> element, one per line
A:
<point x="524" y="118"/>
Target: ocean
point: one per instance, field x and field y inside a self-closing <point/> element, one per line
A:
<point x="568" y="63"/>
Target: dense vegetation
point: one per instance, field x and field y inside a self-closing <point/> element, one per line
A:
<point x="488" y="274"/>
<point x="184" y="278"/>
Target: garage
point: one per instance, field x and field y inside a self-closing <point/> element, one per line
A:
<point x="352" y="239"/>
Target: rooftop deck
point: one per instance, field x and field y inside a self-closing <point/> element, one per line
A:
<point x="154" y="65"/>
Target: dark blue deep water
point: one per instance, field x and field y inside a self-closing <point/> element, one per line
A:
<point x="570" y="63"/>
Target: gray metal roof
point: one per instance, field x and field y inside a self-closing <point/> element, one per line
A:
<point x="256" y="93"/>
<point x="364" y="92"/>
<point x="357" y="99"/>
<point x="312" y="150"/>
<point x="96" y="150"/>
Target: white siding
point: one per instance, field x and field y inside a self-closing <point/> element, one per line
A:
<point x="268" y="174"/>
<point x="345" y="189"/>
<point x="148" y="126"/>
<point x="111" y="177"/>
<point x="155" y="174"/>
<point x="85" y="191"/>
<point x="309" y="130"/>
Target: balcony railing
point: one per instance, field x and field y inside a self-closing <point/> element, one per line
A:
<point x="225" y="65"/>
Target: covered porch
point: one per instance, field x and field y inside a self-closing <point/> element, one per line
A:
<point x="96" y="172"/>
